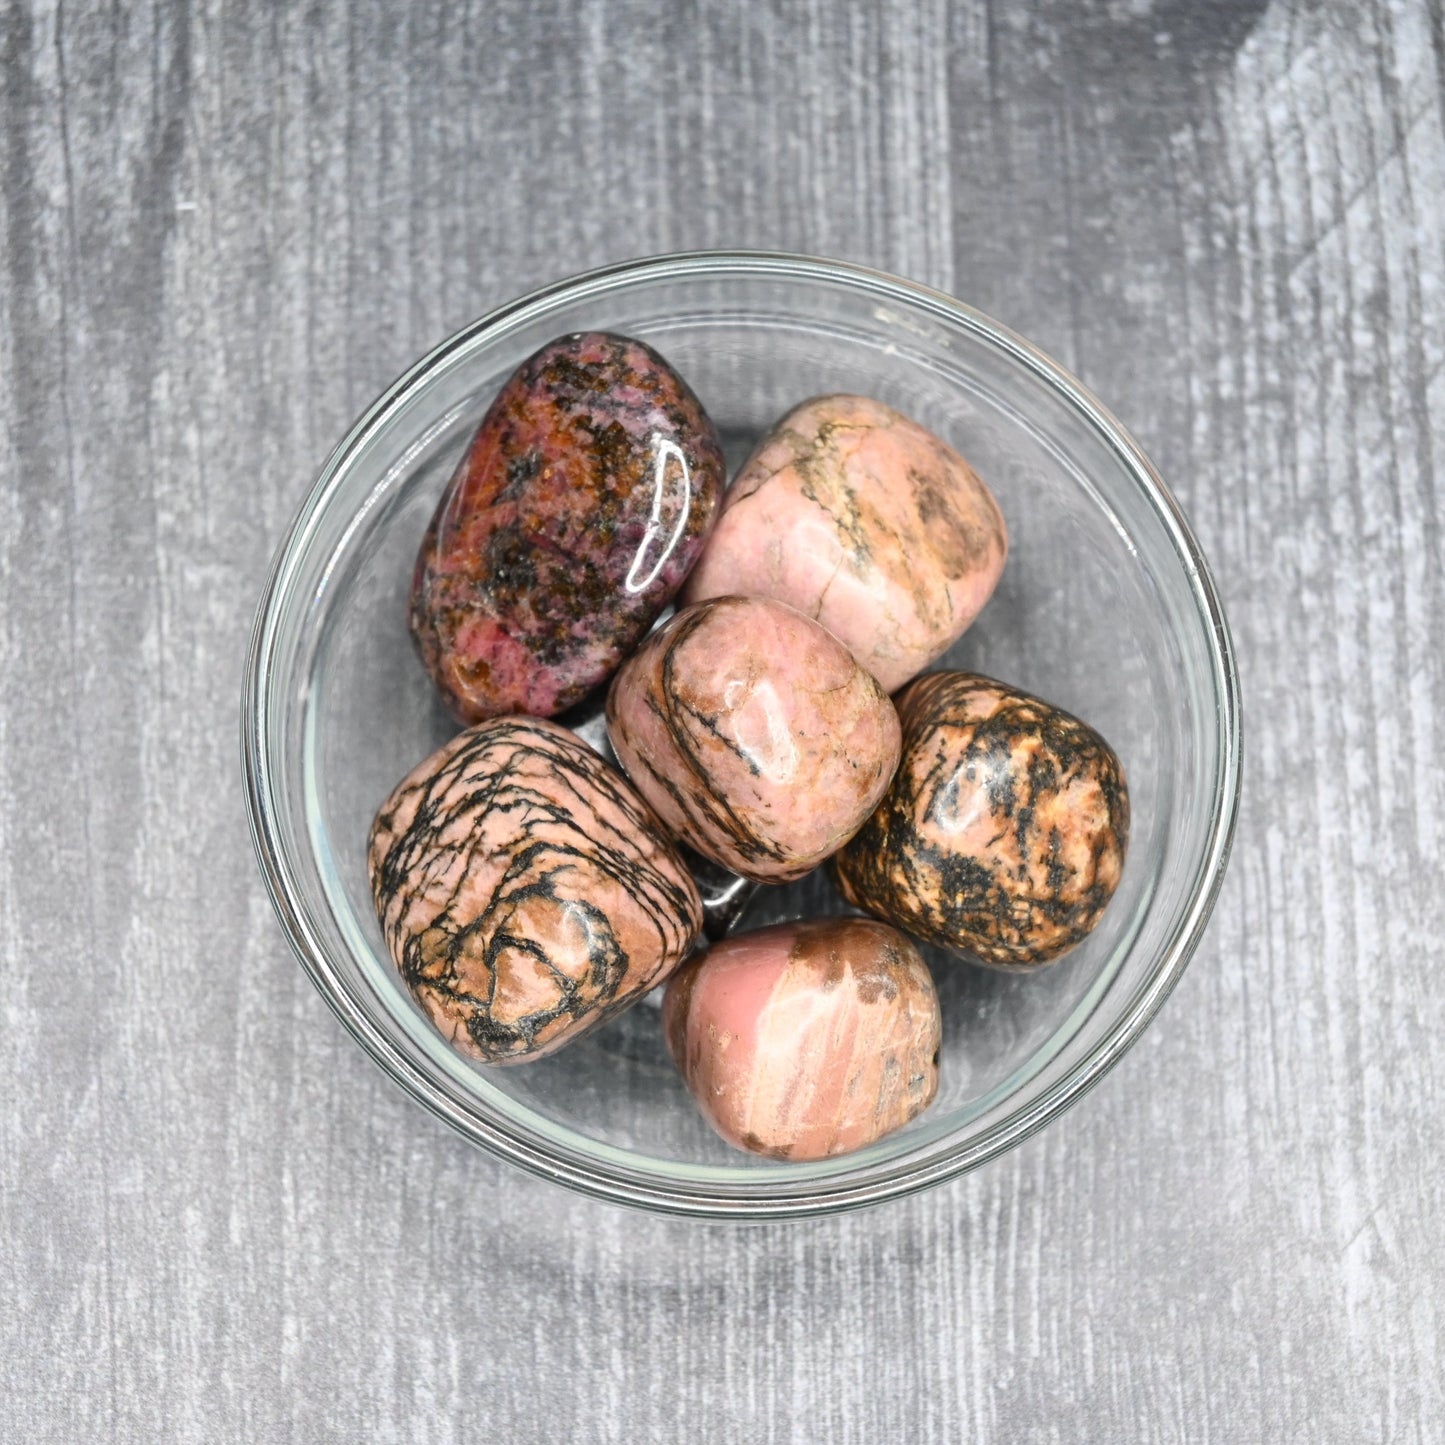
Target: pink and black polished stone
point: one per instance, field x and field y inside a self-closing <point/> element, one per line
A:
<point x="754" y="734"/>
<point x="1004" y="830"/>
<point x="525" y="893"/>
<point x="575" y="515"/>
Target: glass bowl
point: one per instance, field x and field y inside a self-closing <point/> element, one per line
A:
<point x="1106" y="608"/>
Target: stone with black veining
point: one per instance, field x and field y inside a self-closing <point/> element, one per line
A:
<point x="806" y="1040"/>
<point x="754" y="735"/>
<point x="862" y="519"/>
<point x="1004" y="831"/>
<point x="581" y="503"/>
<point x="524" y="891"/>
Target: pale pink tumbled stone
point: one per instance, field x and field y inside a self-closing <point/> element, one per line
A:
<point x="867" y="523"/>
<point x="807" y="1039"/>
<point x="754" y="735"/>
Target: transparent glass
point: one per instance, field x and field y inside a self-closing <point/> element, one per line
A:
<point x="1106" y="608"/>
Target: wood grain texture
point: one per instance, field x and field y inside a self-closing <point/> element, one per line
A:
<point x="225" y="228"/>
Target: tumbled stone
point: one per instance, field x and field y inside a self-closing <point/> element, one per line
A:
<point x="525" y="893"/>
<point x="754" y="735"/>
<point x="806" y="1040"/>
<point x="579" y="507"/>
<point x="1004" y="831"/>
<point x="867" y="523"/>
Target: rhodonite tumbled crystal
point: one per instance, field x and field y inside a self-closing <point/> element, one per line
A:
<point x="867" y="523"/>
<point x="754" y="735"/>
<point x="806" y="1039"/>
<point x="525" y="893"/>
<point x="579" y="507"/>
<point x="1004" y="831"/>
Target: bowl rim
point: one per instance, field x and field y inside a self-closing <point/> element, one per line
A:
<point x="829" y="1195"/>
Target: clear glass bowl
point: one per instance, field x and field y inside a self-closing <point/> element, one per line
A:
<point x="1106" y="608"/>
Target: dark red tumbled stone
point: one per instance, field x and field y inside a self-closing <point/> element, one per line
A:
<point x="575" y="515"/>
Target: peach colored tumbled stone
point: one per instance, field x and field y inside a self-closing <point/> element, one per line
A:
<point x="867" y="523"/>
<point x="806" y="1039"/>
<point x="754" y="735"/>
<point x="525" y="893"/>
<point x="1005" y="830"/>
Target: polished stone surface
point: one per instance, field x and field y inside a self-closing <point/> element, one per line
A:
<point x="754" y="735"/>
<point x="525" y="893"/>
<point x="580" y="505"/>
<point x="1004" y="831"/>
<point x="807" y="1040"/>
<point x="869" y="524"/>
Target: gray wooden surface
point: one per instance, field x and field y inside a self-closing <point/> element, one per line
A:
<point x="225" y="228"/>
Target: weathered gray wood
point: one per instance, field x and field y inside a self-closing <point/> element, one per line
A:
<point x="224" y="229"/>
